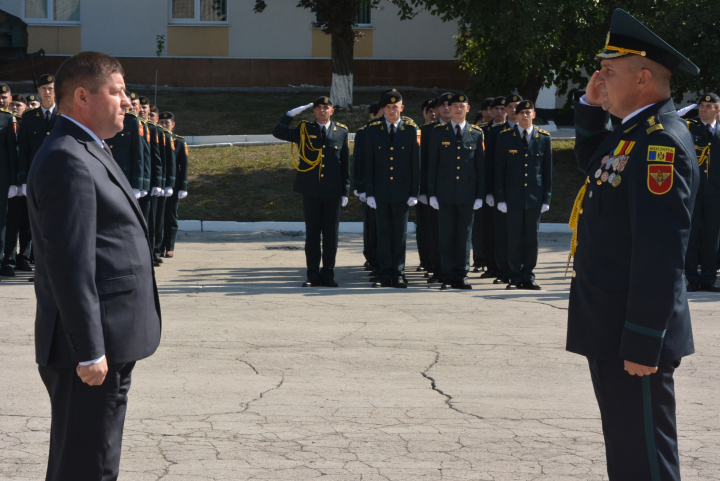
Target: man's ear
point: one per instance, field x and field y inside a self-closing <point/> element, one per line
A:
<point x="645" y="77"/>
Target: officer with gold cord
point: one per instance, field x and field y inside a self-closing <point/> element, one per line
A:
<point x="628" y="311"/>
<point x="323" y="178"/>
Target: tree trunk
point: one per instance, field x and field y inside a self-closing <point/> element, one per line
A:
<point x="341" y="91"/>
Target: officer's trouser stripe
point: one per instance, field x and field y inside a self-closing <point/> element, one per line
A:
<point x="650" y="430"/>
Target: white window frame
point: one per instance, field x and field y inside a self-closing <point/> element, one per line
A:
<point x="50" y="21"/>
<point x="196" y="21"/>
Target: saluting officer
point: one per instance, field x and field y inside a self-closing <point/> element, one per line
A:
<point x="180" y="151"/>
<point x="421" y="232"/>
<point x="456" y="186"/>
<point x="8" y="170"/>
<point x="392" y="184"/>
<point x="323" y="179"/>
<point x="705" y="230"/>
<point x="628" y="310"/>
<point x="523" y="185"/>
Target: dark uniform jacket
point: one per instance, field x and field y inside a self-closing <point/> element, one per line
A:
<point x="490" y="163"/>
<point x="147" y="153"/>
<point x="628" y="297"/>
<point x="157" y="153"/>
<point x="181" y="162"/>
<point x="94" y="279"/>
<point x="332" y="181"/>
<point x="32" y="132"/>
<point x="456" y="170"/>
<point x="128" y="150"/>
<point x="708" y="152"/>
<point x="523" y="177"/>
<point x="425" y="131"/>
<point x="169" y="165"/>
<point x="359" y="161"/>
<point x="8" y="151"/>
<point x="392" y="169"/>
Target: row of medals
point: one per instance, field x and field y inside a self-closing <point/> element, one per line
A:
<point x="617" y="163"/>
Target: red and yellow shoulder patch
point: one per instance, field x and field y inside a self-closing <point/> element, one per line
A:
<point x="660" y="178"/>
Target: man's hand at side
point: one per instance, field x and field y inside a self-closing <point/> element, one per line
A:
<point x="639" y="370"/>
<point x="94" y="374"/>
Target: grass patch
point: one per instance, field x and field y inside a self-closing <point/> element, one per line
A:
<point x="253" y="184"/>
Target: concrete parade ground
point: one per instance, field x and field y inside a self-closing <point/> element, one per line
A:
<point x="257" y="378"/>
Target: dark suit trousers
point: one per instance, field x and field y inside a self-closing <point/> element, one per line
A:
<point x="704" y="240"/>
<point x="477" y="241"/>
<point x="159" y="224"/>
<point x="456" y="223"/>
<point x="17" y="226"/>
<point x="322" y="218"/>
<point x="501" y="243"/>
<point x="432" y="238"/>
<point x="487" y="219"/>
<point x="523" y="226"/>
<point x="638" y="421"/>
<point x="87" y="423"/>
<point x="171" y="222"/>
<point x="421" y="233"/>
<point x="369" y="236"/>
<point x="392" y="222"/>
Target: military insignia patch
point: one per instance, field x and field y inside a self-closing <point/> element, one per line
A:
<point x="327" y="100"/>
<point x="172" y="144"/>
<point x="392" y="100"/>
<point x="658" y="153"/>
<point x="187" y="151"/>
<point x="660" y="178"/>
<point x="462" y="98"/>
<point x="142" y="131"/>
<point x="147" y="135"/>
<point x="4" y="89"/>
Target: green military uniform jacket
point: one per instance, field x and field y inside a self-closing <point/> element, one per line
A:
<point x="359" y="161"/>
<point x="8" y="151"/>
<point x="181" y="162"/>
<point x="128" y="150"/>
<point x="456" y="169"/>
<point x="490" y="163"/>
<point x="708" y="151"/>
<point x="147" y="153"/>
<point x="31" y="134"/>
<point x="157" y="153"/>
<point x="392" y="168"/>
<point x="170" y="167"/>
<point x="523" y="176"/>
<point x="628" y="298"/>
<point x="425" y="131"/>
<point x="332" y="181"/>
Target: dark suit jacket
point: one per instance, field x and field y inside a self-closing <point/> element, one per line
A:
<point x="94" y="278"/>
<point x="31" y="134"/>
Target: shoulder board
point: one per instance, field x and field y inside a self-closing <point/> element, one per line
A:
<point x="342" y="126"/>
<point x="5" y="110"/>
<point x="361" y="128"/>
<point x="506" y="130"/>
<point x="692" y="121"/>
<point x="494" y="126"/>
<point x="304" y="122"/>
<point x="652" y="125"/>
<point x="407" y="118"/>
<point x="151" y="122"/>
<point x="180" y="137"/>
<point x="544" y="132"/>
<point x="410" y="122"/>
<point x="476" y="126"/>
<point x="377" y="122"/>
<point x="130" y="113"/>
<point x="440" y="125"/>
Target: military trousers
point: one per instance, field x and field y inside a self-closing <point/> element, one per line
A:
<point x="369" y="236"/>
<point x="151" y="220"/>
<point x="392" y="220"/>
<point x="159" y="225"/>
<point x="145" y="203"/>
<point x="3" y="215"/>
<point x="704" y="240"/>
<point x="487" y="219"/>
<point x="322" y="224"/>
<point x="523" y="226"/>
<point x="421" y="233"/>
<point x="478" y="255"/>
<point x="171" y="222"/>
<point x="638" y="421"/>
<point x="17" y="229"/>
<point x="432" y="239"/>
<point x="456" y="223"/>
<point x="501" y="244"/>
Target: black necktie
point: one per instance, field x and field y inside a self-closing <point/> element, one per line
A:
<point x="707" y="126"/>
<point x="458" y="134"/>
<point x="324" y="134"/>
<point x="392" y="132"/>
<point x="47" y="117"/>
<point x="525" y="141"/>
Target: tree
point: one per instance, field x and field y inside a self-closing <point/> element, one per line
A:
<point x="337" y="19"/>
<point x="528" y="44"/>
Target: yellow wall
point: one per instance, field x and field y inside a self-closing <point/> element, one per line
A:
<point x="198" y="41"/>
<point x="321" y="44"/>
<point x="58" y="40"/>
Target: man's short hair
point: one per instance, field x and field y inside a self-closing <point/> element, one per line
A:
<point x="89" y="70"/>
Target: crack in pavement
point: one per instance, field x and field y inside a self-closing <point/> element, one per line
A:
<point x="528" y="302"/>
<point x="433" y="385"/>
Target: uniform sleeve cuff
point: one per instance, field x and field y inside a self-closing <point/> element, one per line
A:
<point x="641" y="345"/>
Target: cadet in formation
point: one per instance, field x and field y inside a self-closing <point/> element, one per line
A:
<point x="421" y="211"/>
<point x="323" y="179"/>
<point x="628" y="310"/>
<point x="8" y="167"/>
<point x="179" y="189"/>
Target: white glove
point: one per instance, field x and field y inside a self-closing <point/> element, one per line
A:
<point x="502" y="207"/>
<point x="478" y="204"/>
<point x="412" y="201"/>
<point x="490" y="200"/>
<point x="363" y="197"/>
<point x="544" y="208"/>
<point x="12" y="192"/>
<point x="24" y="189"/>
<point x="157" y="192"/>
<point x="434" y="203"/>
<point x="344" y="201"/>
<point x="168" y="191"/>
<point x="138" y="193"/>
<point x="356" y="193"/>
<point x="182" y="194"/>
<point x="144" y="193"/>
<point x="685" y="110"/>
<point x="296" y="111"/>
<point x="371" y="202"/>
<point x="423" y="198"/>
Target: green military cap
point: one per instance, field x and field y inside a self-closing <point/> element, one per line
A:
<point x="486" y="103"/>
<point x="4" y="88"/>
<point x="711" y="97"/>
<point x="498" y="102"/>
<point x="33" y="98"/>
<point x="144" y="100"/>
<point x="374" y="108"/>
<point x="19" y="98"/>
<point x="429" y="104"/>
<point x="387" y="92"/>
<point x="513" y="98"/>
<point x="45" y="80"/>
<point x="153" y="108"/>
<point x="167" y="116"/>
<point x="391" y="97"/>
<point x="628" y="36"/>
<point x="458" y="97"/>
<point x="444" y="98"/>
<point x="133" y="96"/>
<point x="322" y="101"/>
<point x="524" y="105"/>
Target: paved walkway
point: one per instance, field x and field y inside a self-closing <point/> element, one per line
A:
<point x="257" y="378"/>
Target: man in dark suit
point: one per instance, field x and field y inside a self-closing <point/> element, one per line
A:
<point x="98" y="310"/>
<point x="628" y="311"/>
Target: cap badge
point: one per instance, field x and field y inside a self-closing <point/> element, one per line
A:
<point x="392" y="100"/>
<point x="462" y="98"/>
<point x="49" y="79"/>
<point x="327" y="100"/>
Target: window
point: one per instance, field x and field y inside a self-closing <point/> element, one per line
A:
<point x="364" y="17"/>
<point x="46" y="11"/>
<point x="194" y="11"/>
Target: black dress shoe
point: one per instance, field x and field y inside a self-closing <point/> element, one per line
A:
<point x="373" y="279"/>
<point x="529" y="286"/>
<point x="462" y="285"/>
<point x="400" y="283"/>
<point x="709" y="288"/>
<point x="23" y="266"/>
<point x="488" y="274"/>
<point x="158" y="259"/>
<point x="478" y="269"/>
<point x="428" y="275"/>
<point x="32" y="279"/>
<point x="367" y="264"/>
<point x="433" y="280"/>
<point x="368" y="268"/>
<point x="7" y="271"/>
<point x="420" y="269"/>
<point x="382" y="284"/>
<point x="329" y="283"/>
<point x="312" y="284"/>
<point x="512" y="286"/>
<point x="446" y="287"/>
<point x="501" y="280"/>
<point x="692" y="287"/>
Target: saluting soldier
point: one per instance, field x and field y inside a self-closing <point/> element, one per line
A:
<point x="323" y="179"/>
<point x="8" y="170"/>
<point x="421" y="233"/>
<point x="705" y="231"/>
<point x="523" y="185"/>
<point x="392" y="184"/>
<point x="167" y="248"/>
<point x="456" y="186"/>
<point x="628" y="311"/>
<point x="33" y="101"/>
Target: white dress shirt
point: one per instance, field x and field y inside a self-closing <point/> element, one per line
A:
<point x="463" y="125"/>
<point x="327" y="126"/>
<point x="713" y="126"/>
<point x="529" y="131"/>
<point x="396" y="123"/>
